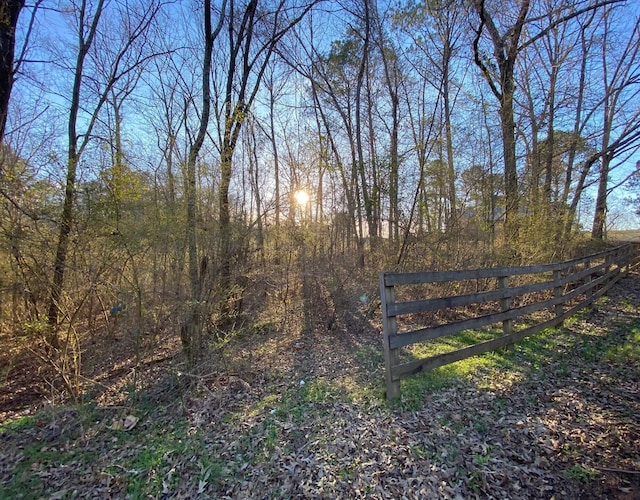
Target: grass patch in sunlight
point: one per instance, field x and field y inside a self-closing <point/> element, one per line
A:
<point x="268" y="402"/>
<point x="545" y="354"/>
<point x="292" y="402"/>
<point x="529" y="355"/>
<point x="18" y="424"/>
<point x="295" y="401"/>
<point x="448" y="343"/>
<point x="536" y="351"/>
<point x="274" y="420"/>
<point x="369" y="357"/>
<point x="413" y="388"/>
<point x="320" y="391"/>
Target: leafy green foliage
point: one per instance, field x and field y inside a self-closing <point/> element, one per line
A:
<point x="582" y="473"/>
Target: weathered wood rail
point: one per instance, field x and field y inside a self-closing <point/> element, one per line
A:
<point x="563" y="288"/>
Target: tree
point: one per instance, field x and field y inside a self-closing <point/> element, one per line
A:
<point x="329" y="92"/>
<point x="125" y="57"/>
<point x="191" y="333"/>
<point x="506" y="45"/>
<point x="337" y="85"/>
<point x="9" y="13"/>
<point x="392" y="77"/>
<point x="621" y="95"/>
<point x="26" y="204"/>
<point x="243" y="41"/>
<point x="435" y="29"/>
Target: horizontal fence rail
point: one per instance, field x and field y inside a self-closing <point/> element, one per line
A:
<point x="562" y="288"/>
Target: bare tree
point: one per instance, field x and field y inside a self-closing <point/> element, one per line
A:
<point x="9" y="14"/>
<point x="435" y="29"/>
<point x="499" y="67"/>
<point x="243" y="40"/>
<point x="506" y="46"/>
<point x="191" y="332"/>
<point x="619" y="107"/>
<point x="253" y="33"/>
<point x="121" y="63"/>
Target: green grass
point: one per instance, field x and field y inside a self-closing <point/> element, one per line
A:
<point x="157" y="451"/>
<point x="484" y="457"/>
<point x="144" y="461"/>
<point x="277" y="412"/>
<point x="629" y="352"/>
<point x="37" y="458"/>
<point x="552" y="347"/>
<point x="546" y="354"/>
<point x="18" y="424"/>
<point x="582" y="473"/>
<point x="24" y="481"/>
<point x="413" y="388"/>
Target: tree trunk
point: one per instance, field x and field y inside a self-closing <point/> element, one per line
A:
<point x="451" y="173"/>
<point x="362" y="74"/>
<point x="274" y="148"/>
<point x="508" y="128"/>
<point x="506" y="49"/>
<point x="192" y="326"/>
<point x="600" y="214"/>
<point x="9" y="13"/>
<point x="73" y="156"/>
<point x="66" y="222"/>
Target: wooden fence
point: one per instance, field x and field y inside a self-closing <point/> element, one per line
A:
<point x="562" y="288"/>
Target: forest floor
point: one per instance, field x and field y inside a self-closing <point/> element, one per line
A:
<point x="303" y="414"/>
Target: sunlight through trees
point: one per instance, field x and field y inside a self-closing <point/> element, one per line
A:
<point x="155" y="152"/>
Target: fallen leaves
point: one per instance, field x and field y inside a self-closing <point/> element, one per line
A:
<point x="565" y="429"/>
<point x="125" y="424"/>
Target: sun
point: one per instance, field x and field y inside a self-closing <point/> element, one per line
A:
<point x="301" y="197"/>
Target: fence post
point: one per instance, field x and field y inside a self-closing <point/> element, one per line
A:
<point x="389" y="327"/>
<point x="609" y="260"/>
<point x="627" y="259"/>
<point x="557" y="292"/>
<point x="505" y="305"/>
<point x="589" y="278"/>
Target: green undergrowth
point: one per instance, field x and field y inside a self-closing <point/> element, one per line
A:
<point x="17" y="424"/>
<point x="83" y="444"/>
<point x="627" y="353"/>
<point x="582" y="473"/>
